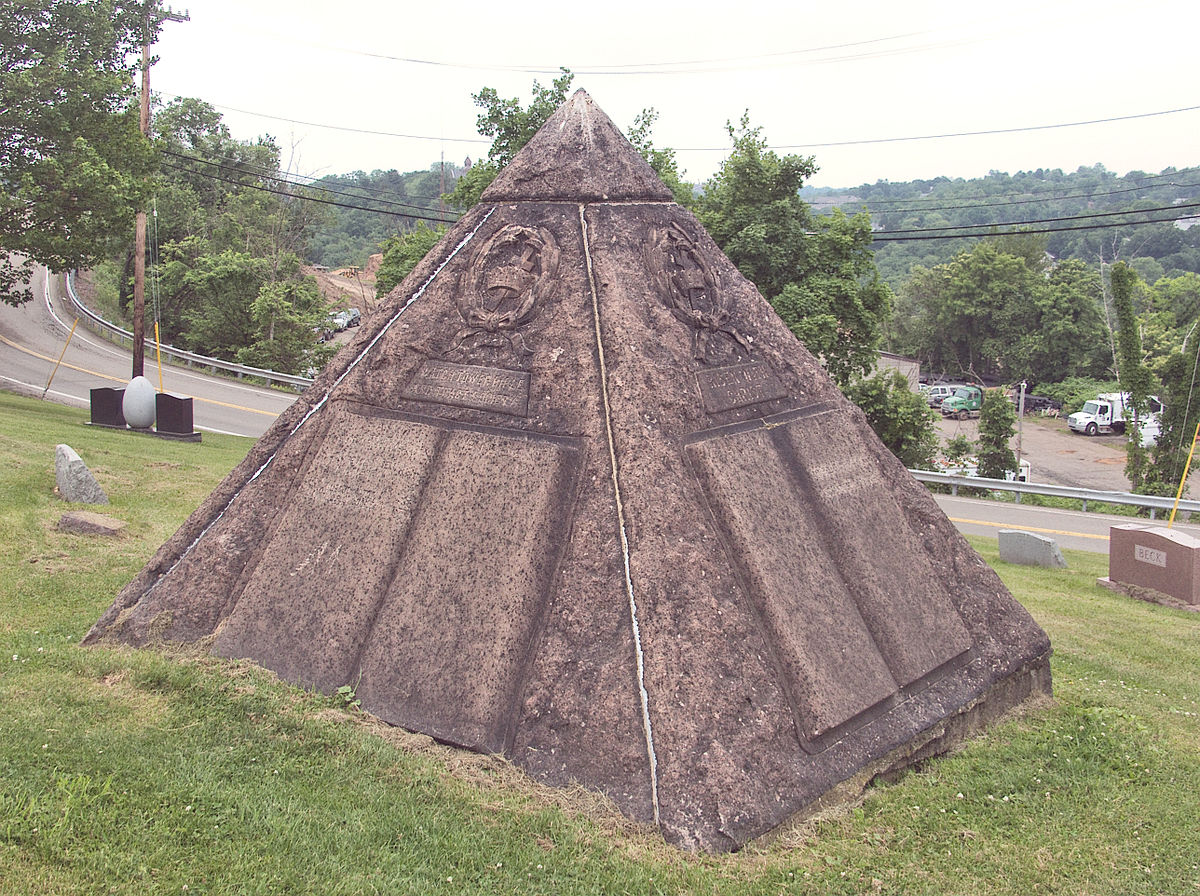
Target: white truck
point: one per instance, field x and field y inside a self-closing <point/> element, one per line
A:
<point x="1110" y="411"/>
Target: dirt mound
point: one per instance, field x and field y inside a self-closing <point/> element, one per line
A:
<point x="349" y="287"/>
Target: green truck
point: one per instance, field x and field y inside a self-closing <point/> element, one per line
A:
<point x="965" y="402"/>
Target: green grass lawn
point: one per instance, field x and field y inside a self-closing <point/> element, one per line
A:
<point x="136" y="772"/>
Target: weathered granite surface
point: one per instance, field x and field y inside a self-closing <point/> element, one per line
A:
<point x="576" y="495"/>
<point x="74" y="480"/>
<point x="1030" y="549"/>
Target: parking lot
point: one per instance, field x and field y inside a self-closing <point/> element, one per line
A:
<point x="1057" y="455"/>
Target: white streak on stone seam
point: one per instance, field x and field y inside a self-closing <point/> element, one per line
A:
<point x="324" y="398"/>
<point x="616" y="481"/>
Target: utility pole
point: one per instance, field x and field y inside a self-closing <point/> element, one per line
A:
<point x="139" y="234"/>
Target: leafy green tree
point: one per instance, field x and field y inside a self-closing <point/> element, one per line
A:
<point x="1134" y="376"/>
<point x="997" y="425"/>
<point x="1177" y="424"/>
<point x="1181" y="296"/>
<point x="661" y="160"/>
<point x="229" y="224"/>
<point x="352" y="235"/>
<point x="957" y="449"/>
<point x="285" y="315"/>
<point x="402" y="253"/>
<point x="968" y="309"/>
<point x="73" y="161"/>
<point x="817" y="272"/>
<point x="1005" y="314"/>
<point x="213" y="293"/>
<point x="900" y="417"/>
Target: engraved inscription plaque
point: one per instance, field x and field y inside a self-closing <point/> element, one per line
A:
<point x="850" y="645"/>
<point x="1150" y="555"/>
<point x="725" y="388"/>
<point x="471" y="386"/>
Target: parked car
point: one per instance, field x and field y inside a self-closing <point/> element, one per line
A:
<point x="935" y="395"/>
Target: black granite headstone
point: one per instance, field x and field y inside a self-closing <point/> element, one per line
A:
<point x="174" y="416"/>
<point x="106" y="407"/>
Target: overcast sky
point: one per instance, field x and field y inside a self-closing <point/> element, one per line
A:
<point x="849" y="83"/>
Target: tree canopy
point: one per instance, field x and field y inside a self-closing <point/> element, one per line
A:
<point x="997" y="426"/>
<point x="817" y="272"/>
<point x="73" y="162"/>
<point x="900" y="416"/>
<point x="1001" y="312"/>
<point x="511" y="126"/>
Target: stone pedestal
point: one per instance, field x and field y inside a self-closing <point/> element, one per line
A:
<point x="1157" y="558"/>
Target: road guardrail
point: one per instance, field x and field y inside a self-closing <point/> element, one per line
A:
<point x="1153" y="503"/>
<point x="188" y="359"/>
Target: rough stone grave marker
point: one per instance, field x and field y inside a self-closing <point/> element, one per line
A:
<point x="1030" y="549"/>
<point x="74" y="480"/>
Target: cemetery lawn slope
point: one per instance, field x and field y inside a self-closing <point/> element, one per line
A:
<point x="127" y="771"/>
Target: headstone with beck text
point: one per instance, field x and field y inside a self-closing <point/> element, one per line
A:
<point x="1157" y="558"/>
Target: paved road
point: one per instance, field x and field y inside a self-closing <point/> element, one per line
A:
<point x="33" y="337"/>
<point x="1072" y="529"/>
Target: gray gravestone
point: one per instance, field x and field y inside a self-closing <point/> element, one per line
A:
<point x="1030" y="549"/>
<point x="75" y="481"/>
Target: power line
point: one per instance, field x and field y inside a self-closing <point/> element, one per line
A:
<point x="913" y="205"/>
<point x="992" y="132"/>
<point x="928" y="233"/>
<point x="264" y="174"/>
<point x="345" y="128"/>
<point x="1126" y="213"/>
<point x="884" y="237"/>
<point x="685" y="67"/>
<point x="432" y="216"/>
<point x="773" y="147"/>
<point x="319" y="184"/>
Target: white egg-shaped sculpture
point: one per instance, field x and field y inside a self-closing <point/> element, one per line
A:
<point x="138" y="403"/>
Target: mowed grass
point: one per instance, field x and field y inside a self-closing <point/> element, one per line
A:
<point x="129" y="772"/>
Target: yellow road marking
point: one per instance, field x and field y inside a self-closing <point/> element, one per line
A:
<point x="113" y="379"/>
<point x="1028" y="528"/>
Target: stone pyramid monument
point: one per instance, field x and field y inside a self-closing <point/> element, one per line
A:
<point x="578" y="497"/>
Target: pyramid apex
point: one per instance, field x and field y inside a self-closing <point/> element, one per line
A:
<point x="578" y="155"/>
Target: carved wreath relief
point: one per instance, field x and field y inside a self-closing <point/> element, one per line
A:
<point x="509" y="275"/>
<point x="690" y="288"/>
<point x="486" y="365"/>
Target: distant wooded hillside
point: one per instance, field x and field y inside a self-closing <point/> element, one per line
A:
<point x="370" y="208"/>
<point x="1092" y="214"/>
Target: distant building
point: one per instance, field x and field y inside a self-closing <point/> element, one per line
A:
<point x="910" y="367"/>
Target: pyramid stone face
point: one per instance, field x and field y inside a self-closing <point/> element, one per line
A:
<point x="577" y="496"/>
